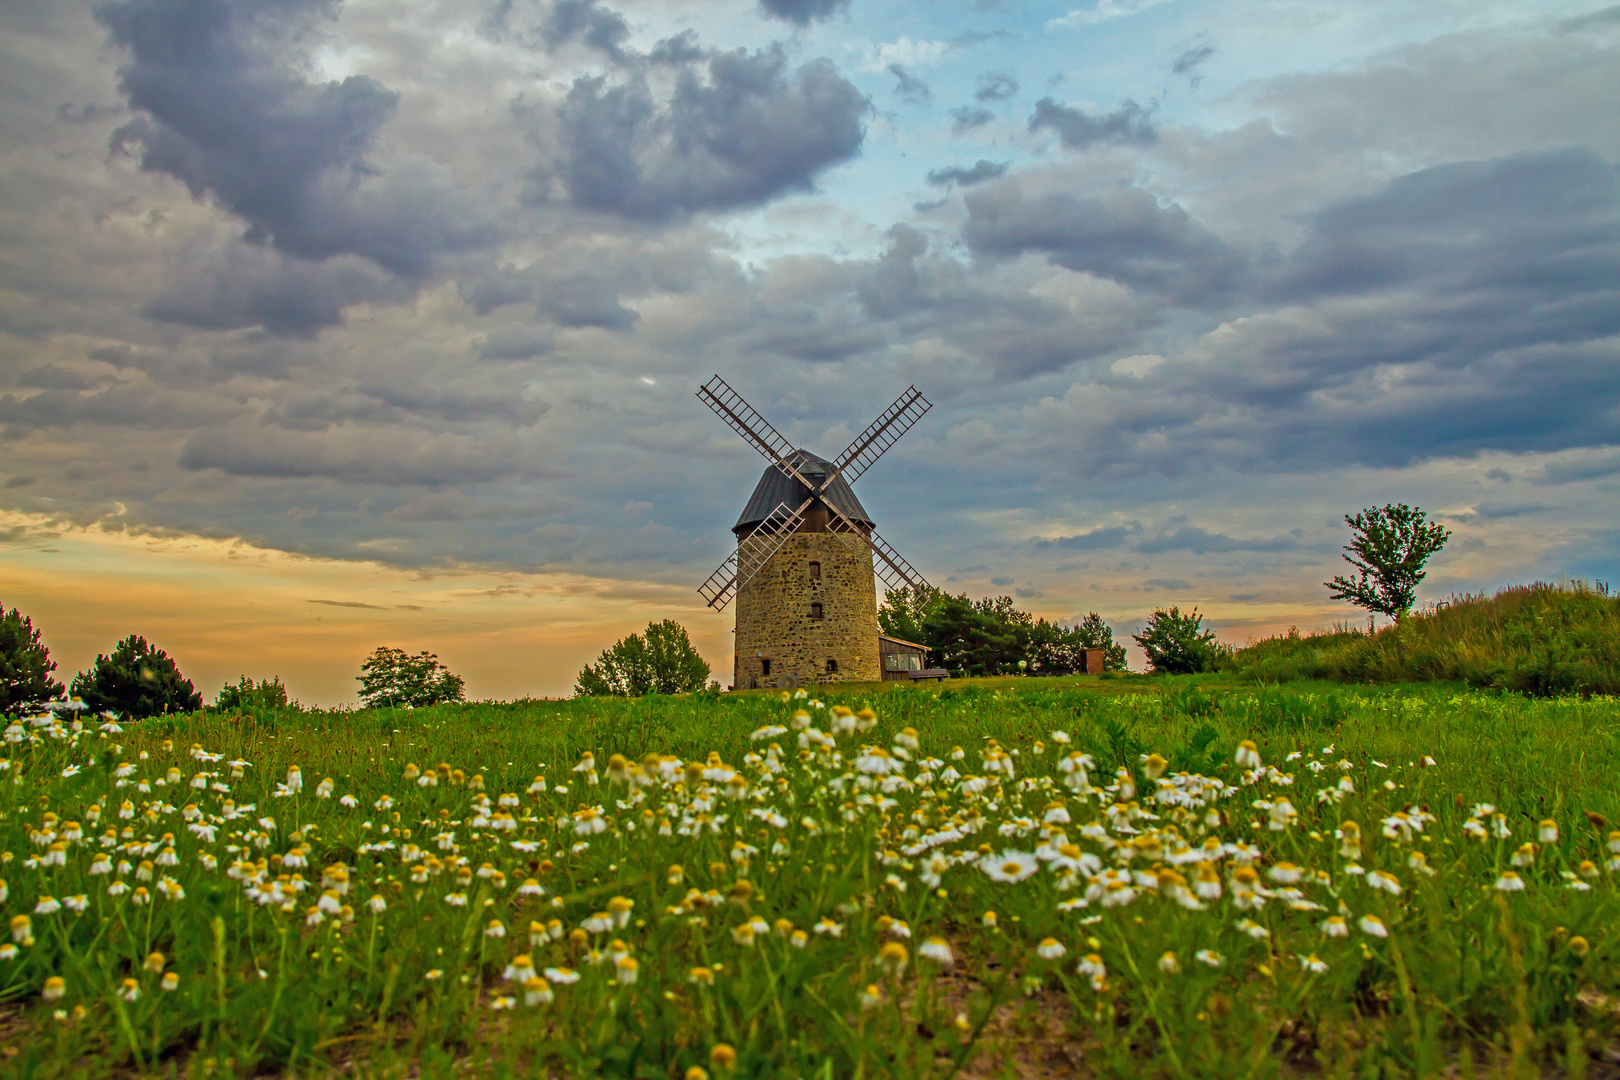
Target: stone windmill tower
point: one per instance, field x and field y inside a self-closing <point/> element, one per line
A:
<point x="807" y="561"/>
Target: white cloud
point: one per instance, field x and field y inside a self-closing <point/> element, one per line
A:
<point x="1104" y="11"/>
<point x="905" y="52"/>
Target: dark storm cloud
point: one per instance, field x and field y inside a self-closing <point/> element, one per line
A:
<point x="575" y="299"/>
<point x="252" y="286"/>
<point x="220" y="106"/>
<point x="738" y="133"/>
<point x="1095" y="540"/>
<point x="1570" y="472"/>
<point x="522" y="343"/>
<point x="1079" y="130"/>
<point x="1189" y="60"/>
<point x="806" y="333"/>
<point x="1606" y="17"/>
<point x="68" y="113"/>
<point x="909" y="88"/>
<point x="587" y="22"/>
<point x="1464" y="308"/>
<point x="1168" y="583"/>
<point x="1124" y="235"/>
<point x="981" y="171"/>
<point x="1542" y="227"/>
<point x="968" y="117"/>
<point x="914" y="291"/>
<point x="802" y="12"/>
<point x="1201" y="542"/>
<point x="352" y="453"/>
<point x="140" y="406"/>
<point x="995" y="86"/>
<point x="453" y="405"/>
<point x="579" y="284"/>
<point x="52" y="377"/>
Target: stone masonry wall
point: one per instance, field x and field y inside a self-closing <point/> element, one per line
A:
<point x="773" y="616"/>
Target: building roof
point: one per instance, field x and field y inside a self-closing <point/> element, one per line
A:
<point x="777" y="487"/>
<point x="902" y="641"/>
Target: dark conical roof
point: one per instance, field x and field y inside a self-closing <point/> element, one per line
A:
<point x="777" y="487"/>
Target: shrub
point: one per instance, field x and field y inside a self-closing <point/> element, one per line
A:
<point x="1175" y="644"/>
<point x="395" y="677"/>
<point x="248" y="696"/>
<point x="137" y="680"/>
<point x="25" y="665"/>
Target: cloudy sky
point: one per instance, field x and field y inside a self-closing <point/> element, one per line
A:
<point x="332" y="323"/>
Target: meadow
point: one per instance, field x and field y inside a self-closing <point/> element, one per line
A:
<point x="1014" y="877"/>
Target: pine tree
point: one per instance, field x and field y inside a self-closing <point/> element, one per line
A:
<point x="136" y="681"/>
<point x="25" y="665"/>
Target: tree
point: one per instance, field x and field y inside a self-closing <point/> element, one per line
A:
<point x="990" y="636"/>
<point x="395" y="677"/>
<point x="25" y="665"/>
<point x="1093" y="633"/>
<point x="664" y="662"/>
<point x="1175" y="644"/>
<point x="137" y="680"/>
<point x="246" y="696"/>
<point x="968" y="638"/>
<point x="905" y="612"/>
<point x="1389" y="547"/>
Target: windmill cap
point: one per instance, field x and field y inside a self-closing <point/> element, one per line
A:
<point x="777" y="487"/>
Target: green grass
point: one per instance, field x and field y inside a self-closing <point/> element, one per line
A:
<point x="1539" y="639"/>
<point x="1468" y="977"/>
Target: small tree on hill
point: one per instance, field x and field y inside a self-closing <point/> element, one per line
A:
<point x="137" y="680"/>
<point x="1176" y="645"/>
<point x="395" y="677"/>
<point x="1389" y="548"/>
<point x="25" y="665"/>
<point x="663" y="662"/>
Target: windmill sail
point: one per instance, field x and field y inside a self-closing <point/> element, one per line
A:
<point x="741" y="417"/>
<point x="883" y="433"/>
<point x="890" y="566"/>
<point x="768" y="535"/>
<point x="753" y="552"/>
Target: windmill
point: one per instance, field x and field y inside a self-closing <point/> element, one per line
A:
<point x="807" y="559"/>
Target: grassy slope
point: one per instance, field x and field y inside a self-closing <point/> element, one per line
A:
<point x="1538" y="638"/>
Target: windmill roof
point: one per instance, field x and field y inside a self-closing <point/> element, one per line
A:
<point x="778" y="487"/>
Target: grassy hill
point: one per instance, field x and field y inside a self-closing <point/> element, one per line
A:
<point x="1541" y="639"/>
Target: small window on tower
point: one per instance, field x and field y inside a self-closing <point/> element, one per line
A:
<point x="764" y="667"/>
<point x="815" y="611"/>
<point x="832" y="666"/>
<point x="815" y="571"/>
